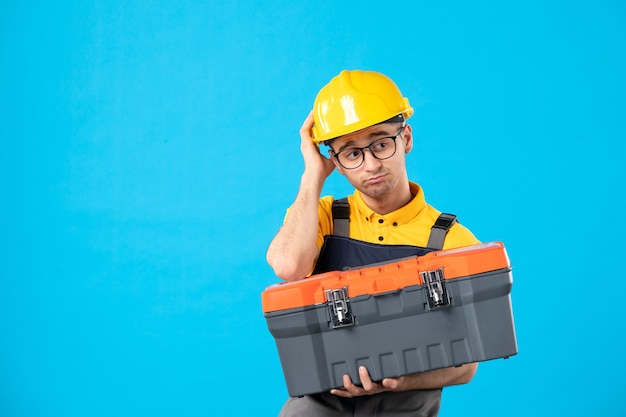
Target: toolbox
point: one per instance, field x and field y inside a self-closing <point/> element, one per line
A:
<point x="443" y="309"/>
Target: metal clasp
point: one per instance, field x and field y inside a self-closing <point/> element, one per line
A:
<point x="436" y="286"/>
<point x="339" y="307"/>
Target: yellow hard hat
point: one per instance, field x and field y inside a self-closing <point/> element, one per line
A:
<point x="354" y="100"/>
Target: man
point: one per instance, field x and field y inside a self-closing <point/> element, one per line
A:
<point x="361" y="116"/>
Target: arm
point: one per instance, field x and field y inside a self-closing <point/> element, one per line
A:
<point x="293" y="250"/>
<point x="425" y="380"/>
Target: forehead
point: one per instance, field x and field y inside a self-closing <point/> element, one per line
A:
<point x="366" y="135"/>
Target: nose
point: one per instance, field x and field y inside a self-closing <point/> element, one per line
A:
<point x="370" y="163"/>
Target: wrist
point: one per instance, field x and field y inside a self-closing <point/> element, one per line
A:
<point x="312" y="180"/>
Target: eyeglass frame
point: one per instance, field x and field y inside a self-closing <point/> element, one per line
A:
<point x="369" y="148"/>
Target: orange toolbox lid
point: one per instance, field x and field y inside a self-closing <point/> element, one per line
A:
<point x="380" y="278"/>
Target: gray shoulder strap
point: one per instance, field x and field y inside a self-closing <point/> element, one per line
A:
<point x="341" y="217"/>
<point x="439" y="230"/>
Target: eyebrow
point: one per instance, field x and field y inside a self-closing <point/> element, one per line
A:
<point x="373" y="135"/>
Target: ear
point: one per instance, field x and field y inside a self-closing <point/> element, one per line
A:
<point x="407" y="138"/>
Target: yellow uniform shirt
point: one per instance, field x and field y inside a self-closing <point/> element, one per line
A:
<point x="409" y="225"/>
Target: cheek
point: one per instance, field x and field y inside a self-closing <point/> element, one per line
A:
<point x="338" y="167"/>
<point x="352" y="179"/>
<point x="398" y="162"/>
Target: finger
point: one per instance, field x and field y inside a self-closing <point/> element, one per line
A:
<point x="347" y="382"/>
<point x="350" y="387"/>
<point x="305" y="130"/>
<point x="341" y="393"/>
<point x="366" y="381"/>
<point x="391" y="383"/>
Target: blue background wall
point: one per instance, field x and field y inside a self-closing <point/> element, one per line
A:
<point x="149" y="150"/>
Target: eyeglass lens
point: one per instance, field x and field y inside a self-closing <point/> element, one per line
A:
<point x="382" y="148"/>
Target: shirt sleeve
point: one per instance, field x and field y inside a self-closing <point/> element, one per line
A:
<point x="459" y="236"/>
<point x="325" y="220"/>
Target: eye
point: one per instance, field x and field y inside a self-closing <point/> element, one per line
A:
<point x="351" y="154"/>
<point x="381" y="144"/>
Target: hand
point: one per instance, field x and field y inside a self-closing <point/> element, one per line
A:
<point x="368" y="387"/>
<point x="313" y="159"/>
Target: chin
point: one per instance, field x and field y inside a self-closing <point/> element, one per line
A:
<point x="377" y="191"/>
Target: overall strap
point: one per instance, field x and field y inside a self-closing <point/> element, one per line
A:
<point x="341" y="217"/>
<point x="439" y="230"/>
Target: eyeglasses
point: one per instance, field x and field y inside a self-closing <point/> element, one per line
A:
<point x="353" y="157"/>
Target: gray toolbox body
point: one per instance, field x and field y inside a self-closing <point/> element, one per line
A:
<point x="436" y="323"/>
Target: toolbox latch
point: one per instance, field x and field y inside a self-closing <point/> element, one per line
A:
<point x="339" y="307"/>
<point x="436" y="286"/>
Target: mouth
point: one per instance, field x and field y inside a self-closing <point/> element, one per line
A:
<point x="375" y="180"/>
